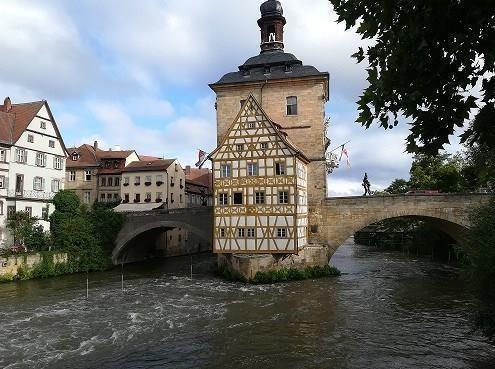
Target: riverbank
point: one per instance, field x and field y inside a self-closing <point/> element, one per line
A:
<point x="36" y="265"/>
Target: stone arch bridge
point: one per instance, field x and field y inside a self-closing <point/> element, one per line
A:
<point x="337" y="219"/>
<point x="331" y="222"/>
<point x="197" y="221"/>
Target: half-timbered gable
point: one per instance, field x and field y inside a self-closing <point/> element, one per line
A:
<point x="259" y="186"/>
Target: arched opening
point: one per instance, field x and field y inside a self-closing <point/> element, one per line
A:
<point x="418" y="235"/>
<point x="160" y="239"/>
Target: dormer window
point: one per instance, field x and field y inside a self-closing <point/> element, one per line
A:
<point x="267" y="69"/>
<point x="75" y="156"/>
<point x="288" y="68"/>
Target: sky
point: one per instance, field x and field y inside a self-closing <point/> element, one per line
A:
<point x="135" y="74"/>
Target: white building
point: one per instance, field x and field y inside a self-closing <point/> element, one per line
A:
<point x="32" y="162"/>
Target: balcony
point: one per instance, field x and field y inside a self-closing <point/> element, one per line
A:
<point x="31" y="195"/>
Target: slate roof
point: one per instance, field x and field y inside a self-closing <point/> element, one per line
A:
<point x="282" y="66"/>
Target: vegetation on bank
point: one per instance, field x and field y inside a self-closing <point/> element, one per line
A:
<point x="85" y="234"/>
<point x="479" y="264"/>
<point x="282" y="275"/>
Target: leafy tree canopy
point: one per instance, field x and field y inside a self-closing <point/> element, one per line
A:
<point x="440" y="172"/>
<point x="426" y="59"/>
<point x="398" y="186"/>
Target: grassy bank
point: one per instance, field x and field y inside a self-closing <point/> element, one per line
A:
<point x="282" y="275"/>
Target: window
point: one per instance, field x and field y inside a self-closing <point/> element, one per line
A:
<point x="241" y="232"/>
<point x="279" y="169"/>
<point x="222" y="232"/>
<point x="116" y="182"/>
<point x="108" y="164"/>
<point x="148" y="196"/>
<point x="2" y="181"/>
<point x="3" y="156"/>
<point x="242" y="103"/>
<point x="103" y="181"/>
<point x="181" y="200"/>
<point x="237" y="198"/>
<point x="282" y="232"/>
<point x="176" y="167"/>
<point x="87" y="197"/>
<point x="51" y="144"/>
<point x="264" y="146"/>
<point x="251" y="233"/>
<point x="126" y="197"/>
<point x="223" y="199"/>
<point x="10" y="212"/>
<point x="292" y="105"/>
<point x="110" y="181"/>
<point x="1" y="207"/>
<point x="21" y="155"/>
<point x="116" y="197"/>
<point x="137" y="181"/>
<point x="43" y="124"/>
<point x="109" y="197"/>
<point x="147" y="181"/>
<point x="251" y="125"/>
<point x="75" y="156"/>
<point x="58" y="163"/>
<point x="283" y="197"/>
<point x="40" y="159"/>
<point x="87" y="175"/>
<point x="259" y="198"/>
<point x="102" y="197"/>
<point x="159" y="178"/>
<point x="116" y="164"/>
<point x="44" y="213"/>
<point x="38" y="183"/>
<point x="159" y="196"/>
<point x="225" y="170"/>
<point x="55" y="185"/>
<point x="252" y="169"/>
<point x="137" y="197"/>
<point x="30" y="138"/>
<point x="126" y="181"/>
<point x="172" y="198"/>
<point x="29" y="211"/>
<point x="239" y="147"/>
<point x="72" y="176"/>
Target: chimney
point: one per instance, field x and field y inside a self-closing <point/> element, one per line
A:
<point x="7" y="105"/>
<point x="95" y="145"/>
<point x="188" y="170"/>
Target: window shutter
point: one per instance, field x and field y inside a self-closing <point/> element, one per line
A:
<point x="25" y="156"/>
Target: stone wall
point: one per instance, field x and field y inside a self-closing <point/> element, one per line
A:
<point x="9" y="266"/>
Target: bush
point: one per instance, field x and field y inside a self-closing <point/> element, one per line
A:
<point x="479" y="250"/>
<point x="284" y="275"/>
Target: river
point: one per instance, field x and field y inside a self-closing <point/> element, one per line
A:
<point x="385" y="311"/>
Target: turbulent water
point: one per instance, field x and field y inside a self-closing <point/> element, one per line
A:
<point x="386" y="311"/>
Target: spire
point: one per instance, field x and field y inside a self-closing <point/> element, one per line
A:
<point x="272" y="24"/>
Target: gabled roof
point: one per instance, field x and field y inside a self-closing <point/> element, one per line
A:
<point x="17" y="119"/>
<point x="108" y="154"/>
<point x="149" y="166"/>
<point x="86" y="157"/>
<point x="276" y="127"/>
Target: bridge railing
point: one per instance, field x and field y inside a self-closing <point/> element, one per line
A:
<point x="178" y="211"/>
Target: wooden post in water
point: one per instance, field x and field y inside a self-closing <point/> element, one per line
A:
<point x="87" y="285"/>
<point x="122" y="274"/>
<point x="191" y="266"/>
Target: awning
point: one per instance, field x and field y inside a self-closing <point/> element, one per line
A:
<point x="128" y="208"/>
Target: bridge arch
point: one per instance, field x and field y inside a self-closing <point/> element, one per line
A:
<point x="197" y="221"/>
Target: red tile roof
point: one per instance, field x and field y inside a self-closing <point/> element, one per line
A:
<point x="149" y="166"/>
<point x="87" y="157"/>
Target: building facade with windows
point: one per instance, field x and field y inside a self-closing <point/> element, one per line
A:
<point x="112" y="165"/>
<point x="32" y="162"/>
<point x="158" y="183"/>
<point x="291" y="93"/>
<point x="199" y="184"/>
<point x="260" y="187"/>
<point x="81" y="172"/>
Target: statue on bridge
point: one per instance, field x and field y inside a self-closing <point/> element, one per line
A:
<point x="366" y="185"/>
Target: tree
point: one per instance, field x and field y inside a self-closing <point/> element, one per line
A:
<point x="479" y="250"/>
<point x="440" y="172"/>
<point x="479" y="168"/>
<point x="424" y="63"/>
<point x="20" y="225"/>
<point x="67" y="205"/>
<point x="398" y="186"/>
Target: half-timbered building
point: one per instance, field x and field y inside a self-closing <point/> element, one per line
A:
<point x="260" y="187"/>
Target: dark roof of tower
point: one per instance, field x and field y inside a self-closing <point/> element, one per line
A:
<point x="271" y="8"/>
<point x="281" y="66"/>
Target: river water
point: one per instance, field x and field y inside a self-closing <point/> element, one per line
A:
<point x="386" y="311"/>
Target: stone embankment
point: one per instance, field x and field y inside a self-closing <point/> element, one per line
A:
<point x="27" y="266"/>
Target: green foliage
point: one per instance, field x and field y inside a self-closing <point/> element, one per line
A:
<point x="479" y="250"/>
<point x="226" y="273"/>
<point x="107" y="225"/>
<point x="6" y="278"/>
<point x="424" y="60"/>
<point x="441" y="172"/>
<point x="67" y="202"/>
<point x="398" y="186"/>
<point x="47" y="268"/>
<point x="479" y="168"/>
<point x="283" y="275"/>
<point x="20" y="224"/>
<point x="37" y="239"/>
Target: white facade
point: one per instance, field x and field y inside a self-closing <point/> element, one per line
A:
<point x="32" y="171"/>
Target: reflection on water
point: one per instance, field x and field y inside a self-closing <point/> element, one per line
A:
<point x="385" y="311"/>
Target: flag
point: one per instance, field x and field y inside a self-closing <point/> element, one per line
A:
<point x="346" y="153"/>
<point x="201" y="158"/>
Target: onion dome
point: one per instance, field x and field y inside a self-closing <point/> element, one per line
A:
<point x="271" y="8"/>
